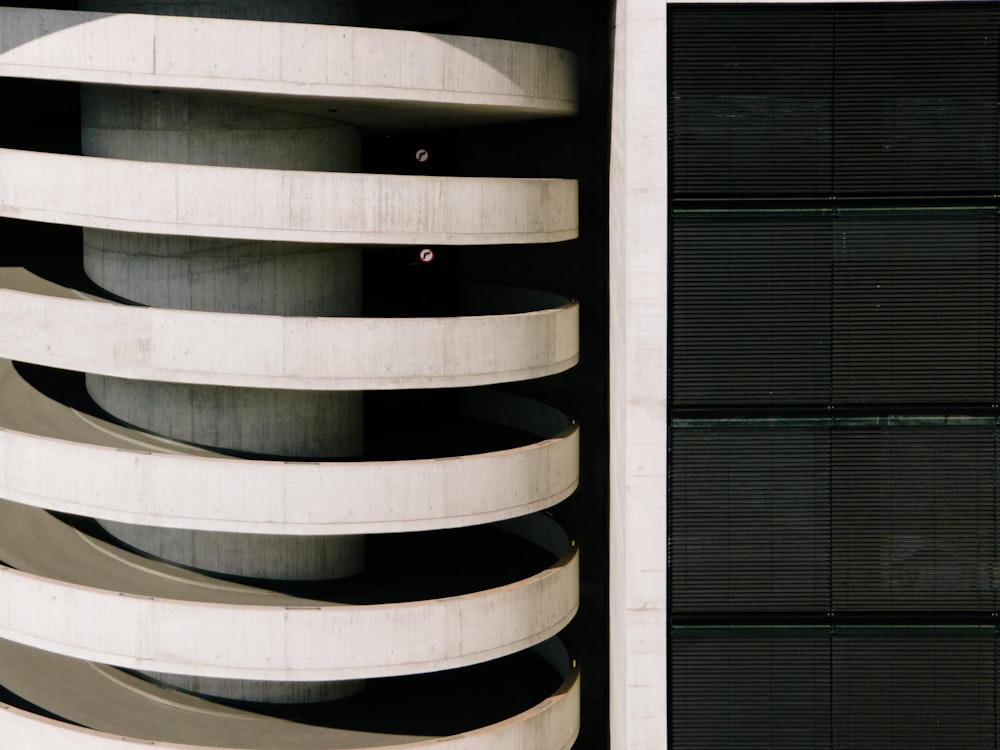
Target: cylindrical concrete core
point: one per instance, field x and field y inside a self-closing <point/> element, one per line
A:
<point x="196" y="129"/>
<point x="291" y="558"/>
<point x="266" y="278"/>
<point x="332" y="12"/>
<point x="225" y="275"/>
<point x="259" y="691"/>
<point x="229" y="276"/>
<point x="267" y="422"/>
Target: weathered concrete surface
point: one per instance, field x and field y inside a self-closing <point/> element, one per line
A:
<point x="75" y="596"/>
<point x="229" y="276"/>
<point x="92" y="602"/>
<point x="236" y="276"/>
<point x="219" y="275"/>
<point x="260" y="691"/>
<point x="126" y="713"/>
<point x="371" y="76"/>
<point x="638" y="409"/>
<point x="125" y="123"/>
<point x="301" y="11"/>
<point x="281" y="205"/>
<point x="118" y="710"/>
<point x="46" y="324"/>
<point x="271" y="556"/>
<point x="112" y="472"/>
<point x="264" y="421"/>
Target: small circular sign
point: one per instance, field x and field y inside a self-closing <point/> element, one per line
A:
<point x="426" y="255"/>
<point x="422" y="155"/>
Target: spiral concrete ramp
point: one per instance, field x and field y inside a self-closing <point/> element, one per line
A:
<point x="207" y="536"/>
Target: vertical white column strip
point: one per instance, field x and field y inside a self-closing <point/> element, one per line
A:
<point x="638" y="298"/>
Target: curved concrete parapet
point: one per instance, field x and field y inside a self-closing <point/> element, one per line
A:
<point x="115" y="473"/>
<point x="133" y="625"/>
<point x="549" y="725"/>
<point x="370" y="76"/>
<point x="220" y="157"/>
<point x="281" y="205"/>
<point x="42" y="323"/>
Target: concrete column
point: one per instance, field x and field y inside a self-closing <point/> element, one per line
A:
<point x="265" y="278"/>
<point x="186" y="128"/>
<point x="214" y="275"/>
<point x="268" y="278"/>
<point x="332" y="12"/>
<point x="261" y="692"/>
<point x="294" y="558"/>
<point x="268" y="422"/>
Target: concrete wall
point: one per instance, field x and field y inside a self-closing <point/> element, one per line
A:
<point x="227" y="276"/>
<point x="270" y="556"/>
<point x="144" y="125"/>
<point x="368" y="76"/>
<point x="118" y="480"/>
<point x="271" y="204"/>
<point x="288" y="352"/>
<point x="264" y="421"/>
<point x="300" y="643"/>
<point x="457" y="75"/>
<point x="552" y="724"/>
<point x="639" y="379"/>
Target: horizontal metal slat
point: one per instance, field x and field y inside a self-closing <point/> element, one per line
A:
<point x="913" y="519"/>
<point x="750" y="688"/>
<point x="847" y="101"/>
<point x="750" y="520"/>
<point x="750" y="309"/>
<point x="900" y="689"/>
<point x="847" y="688"/>
<point x="914" y="307"/>
<point x="870" y="307"/>
<point x="848" y="520"/>
<point x="751" y="99"/>
<point x="915" y="97"/>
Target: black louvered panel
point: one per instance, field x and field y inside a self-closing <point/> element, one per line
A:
<point x="903" y="688"/>
<point x="750" y="688"/>
<point x="751" y="101"/>
<point x="750" y="308"/>
<point x="913" y="519"/>
<point x="749" y="519"/>
<point x="914" y="307"/>
<point x="916" y="89"/>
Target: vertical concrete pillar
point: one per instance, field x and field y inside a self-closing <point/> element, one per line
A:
<point x="264" y="278"/>
<point x="333" y="12"/>
<point x="261" y="692"/>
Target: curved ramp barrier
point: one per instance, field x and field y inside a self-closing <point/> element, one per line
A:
<point x="198" y="723"/>
<point x="291" y="206"/>
<point x="43" y="323"/>
<point x="74" y="595"/>
<point x="117" y="473"/>
<point x="218" y="515"/>
<point x="374" y="75"/>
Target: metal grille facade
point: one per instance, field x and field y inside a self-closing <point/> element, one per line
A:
<point x="834" y="257"/>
